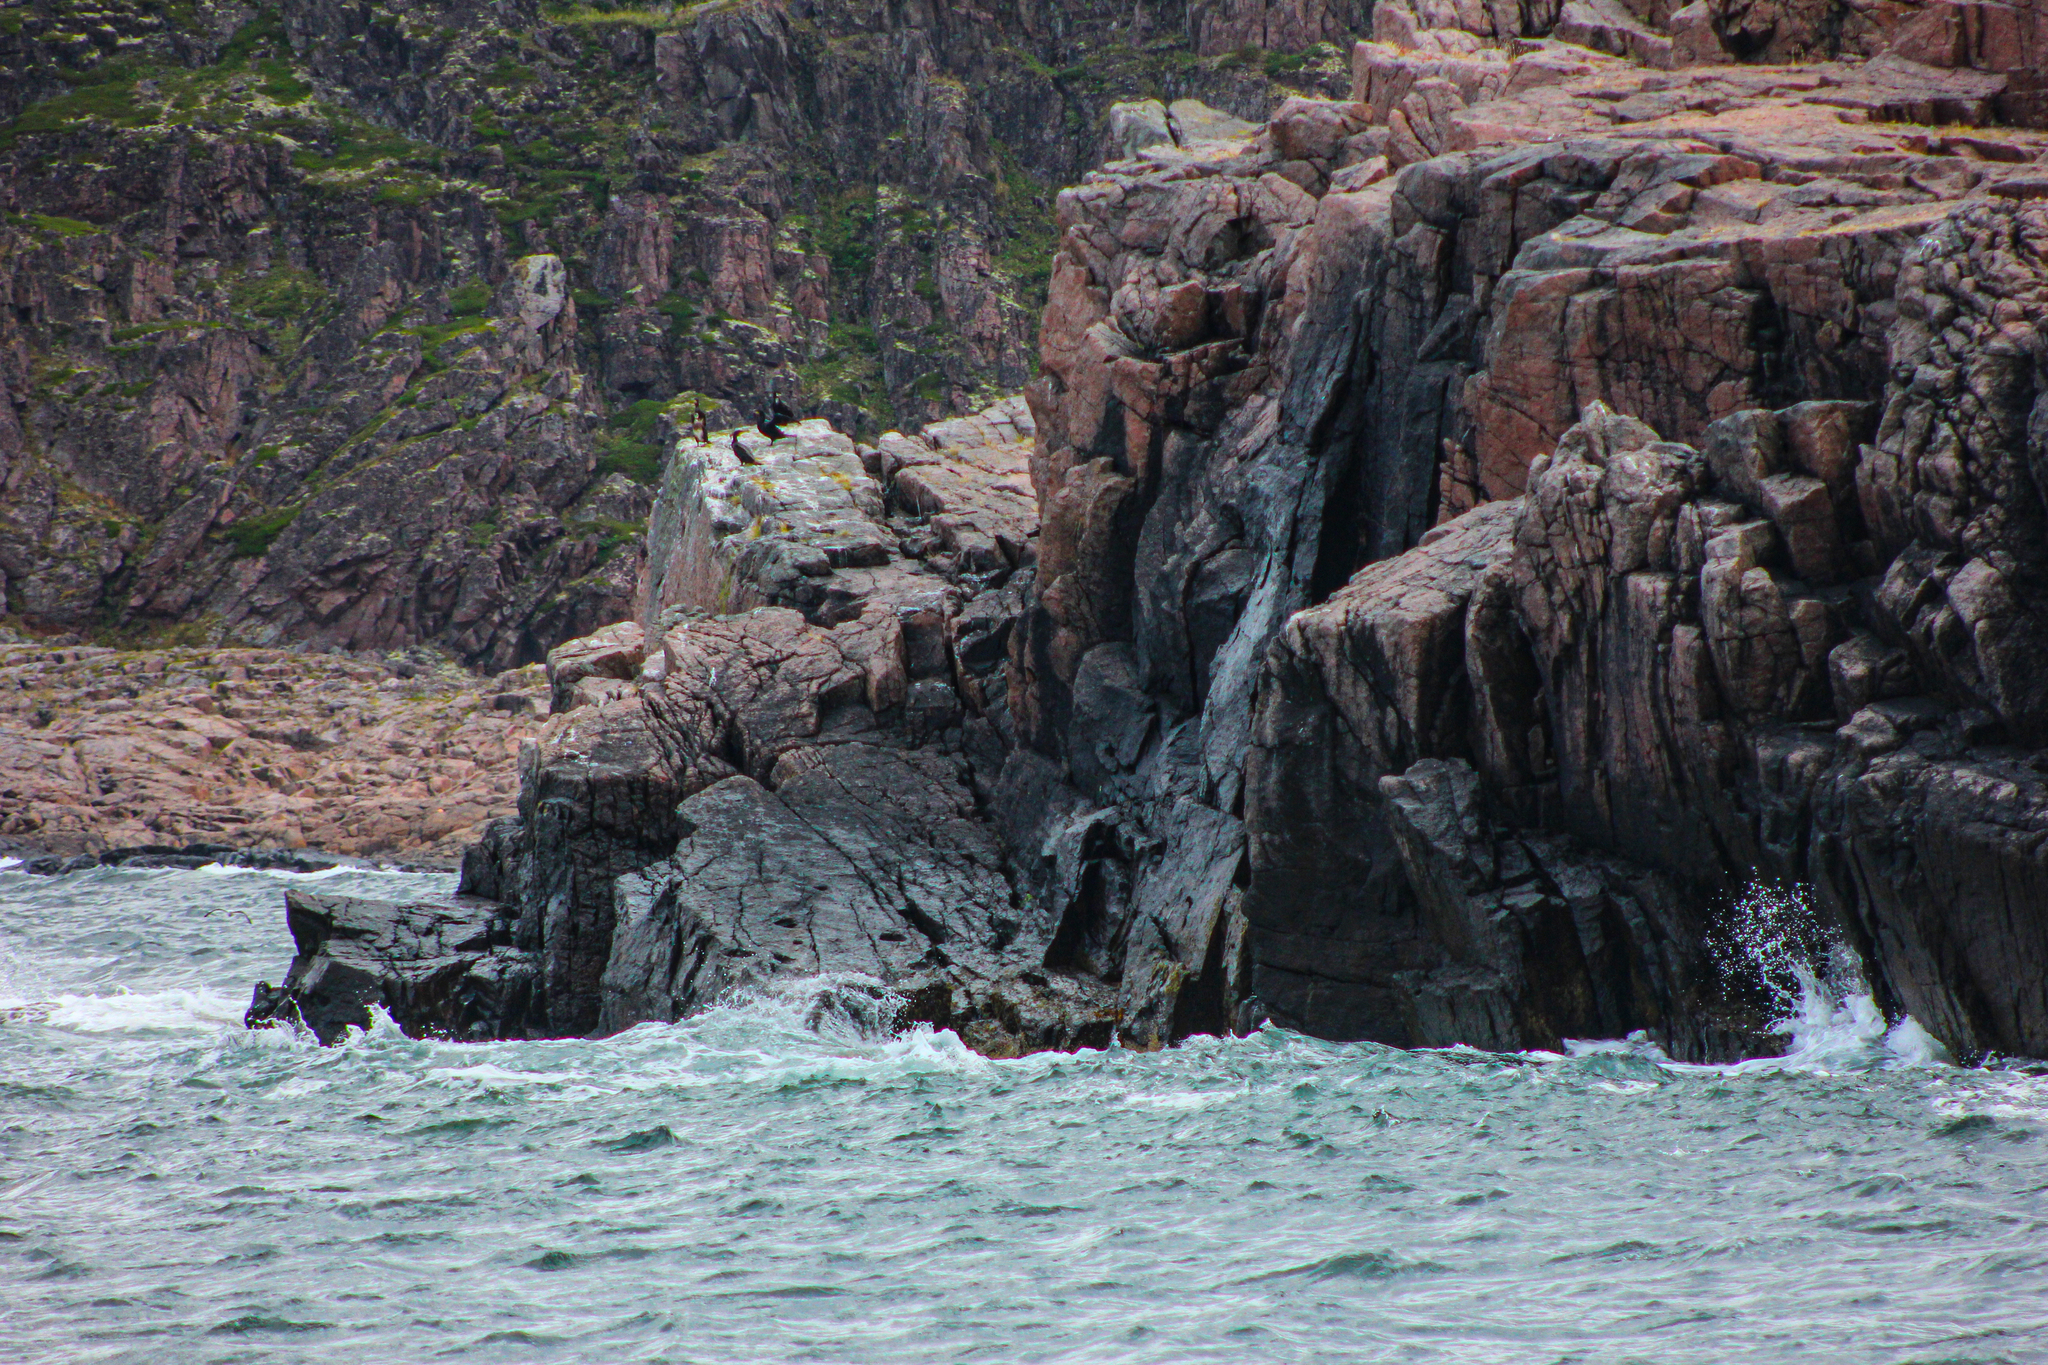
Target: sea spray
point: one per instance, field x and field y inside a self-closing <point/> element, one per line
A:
<point x="1816" y="982"/>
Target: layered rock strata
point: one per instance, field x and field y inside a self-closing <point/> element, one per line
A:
<point x="1482" y="528"/>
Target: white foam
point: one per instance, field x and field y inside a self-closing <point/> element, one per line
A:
<point x="1637" y="1044"/>
<point x="6" y="863"/>
<point x="1913" y="1045"/>
<point x="1831" y="1018"/>
<point x="177" y="1011"/>
<point x="1835" y="1027"/>
<point x="489" y="1073"/>
<point x="295" y="874"/>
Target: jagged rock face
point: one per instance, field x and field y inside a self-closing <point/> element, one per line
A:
<point x="1482" y="527"/>
<point x="292" y="441"/>
<point x="278" y="361"/>
<point x="444" y="967"/>
<point x="782" y="769"/>
<point x="1630" y="652"/>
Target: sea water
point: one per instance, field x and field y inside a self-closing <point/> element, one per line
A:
<point x="776" y="1181"/>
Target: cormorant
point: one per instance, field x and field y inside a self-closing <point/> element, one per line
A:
<point x="770" y="419"/>
<point x="740" y="452"/>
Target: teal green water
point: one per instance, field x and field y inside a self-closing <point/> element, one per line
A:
<point x="769" y="1183"/>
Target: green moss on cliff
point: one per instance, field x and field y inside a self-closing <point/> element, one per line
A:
<point x="610" y="534"/>
<point x="113" y="102"/>
<point x="639" y="461"/>
<point x="62" y="227"/>
<point x="844" y="230"/>
<point x="345" y="143"/>
<point x="468" y="300"/>
<point x="252" y="536"/>
<point x="849" y="370"/>
<point x="1029" y="228"/>
<point x="282" y="305"/>
<point x="251" y="76"/>
<point x="632" y="444"/>
<point x="284" y="292"/>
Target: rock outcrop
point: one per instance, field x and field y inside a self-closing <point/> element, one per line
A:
<point x="1499" y="774"/>
<point x="784" y="767"/>
<point x="446" y="967"/>
<point x="1482" y="528"/>
<point x="104" y="750"/>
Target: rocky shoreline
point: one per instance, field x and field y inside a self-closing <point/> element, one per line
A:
<point x="1457" y="542"/>
<point x="108" y="753"/>
<point x="1473" y="533"/>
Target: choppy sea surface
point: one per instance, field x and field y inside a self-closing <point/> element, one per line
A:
<point x="771" y="1182"/>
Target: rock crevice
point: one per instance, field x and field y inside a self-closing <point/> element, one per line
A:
<point x="1460" y="541"/>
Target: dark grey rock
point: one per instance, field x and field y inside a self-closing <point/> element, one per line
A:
<point x="440" y="968"/>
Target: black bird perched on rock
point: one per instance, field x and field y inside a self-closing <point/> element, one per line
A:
<point x="770" y="419"/>
<point x="702" y="423"/>
<point x="740" y="452"/>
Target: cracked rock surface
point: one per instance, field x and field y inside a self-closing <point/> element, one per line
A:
<point x="1477" y="530"/>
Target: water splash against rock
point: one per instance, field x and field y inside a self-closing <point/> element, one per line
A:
<point x="1817" y="985"/>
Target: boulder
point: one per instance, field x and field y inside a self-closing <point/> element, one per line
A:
<point x="440" y="968"/>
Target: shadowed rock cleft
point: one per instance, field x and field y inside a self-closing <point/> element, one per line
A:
<point x="1457" y="540"/>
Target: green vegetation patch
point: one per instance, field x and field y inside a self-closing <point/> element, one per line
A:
<point x="631" y="446"/>
<point x="849" y="371"/>
<point x="610" y="532"/>
<point x="600" y="12"/>
<point x="252" y="536"/>
<point x="280" y="83"/>
<point x="113" y="92"/>
<point x="635" y="459"/>
<point x="844" y="229"/>
<point x="114" y="102"/>
<point x="266" y="28"/>
<point x="509" y="74"/>
<point x="483" y="530"/>
<point x="62" y="227"/>
<point x="1026" y="215"/>
<point x="142" y="329"/>
<point x="438" y="341"/>
<point x="353" y="144"/>
<point x="284" y="302"/>
<point x="468" y="300"/>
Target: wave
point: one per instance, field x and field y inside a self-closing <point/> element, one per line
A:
<point x="840" y="1027"/>
<point x="187" y="1010"/>
<point x="1827" y="1013"/>
<point x="300" y="875"/>
<point x="1818" y="982"/>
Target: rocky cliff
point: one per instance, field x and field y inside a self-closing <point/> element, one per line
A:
<point x="352" y="325"/>
<point x="1477" y="529"/>
<point x="1498" y="770"/>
